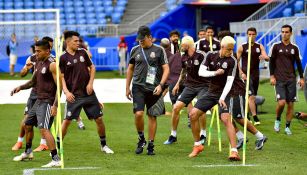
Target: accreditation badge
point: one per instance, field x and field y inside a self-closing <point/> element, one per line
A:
<point x="151" y="75"/>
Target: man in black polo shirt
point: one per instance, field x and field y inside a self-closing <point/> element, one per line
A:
<point x="149" y="68"/>
<point x="204" y="44"/>
<point x="201" y="34"/>
<point x="283" y="55"/>
<point x="77" y="75"/>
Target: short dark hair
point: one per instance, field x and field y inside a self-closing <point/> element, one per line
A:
<point x="209" y="27"/>
<point x="201" y="30"/>
<point x="224" y="33"/>
<point x="47" y="38"/>
<point x="43" y="43"/>
<point x="287" y="26"/>
<point x="174" y="32"/>
<point x="252" y="29"/>
<point x="69" y="34"/>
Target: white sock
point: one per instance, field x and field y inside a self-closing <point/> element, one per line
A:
<point x="80" y="123"/>
<point x="20" y="139"/>
<point x="43" y="141"/>
<point x="197" y="143"/>
<point x="203" y="132"/>
<point x="259" y="135"/>
<point x="240" y="135"/>
<point x="174" y="133"/>
<point x="234" y="149"/>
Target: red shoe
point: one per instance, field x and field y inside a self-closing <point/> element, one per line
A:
<point x="234" y="156"/>
<point x="196" y="150"/>
<point x="17" y="146"/>
<point x="41" y="147"/>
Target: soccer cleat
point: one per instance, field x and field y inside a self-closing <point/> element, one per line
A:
<point x="81" y="125"/>
<point x="257" y="123"/>
<point x="297" y="115"/>
<point x="276" y="126"/>
<point x="196" y="150"/>
<point x="41" y="147"/>
<point x="234" y="156"/>
<point x="288" y="131"/>
<point x="240" y="143"/>
<point x="24" y="156"/>
<point x="259" y="143"/>
<point x="140" y="146"/>
<point x="170" y="140"/>
<point x="150" y="149"/>
<point x="107" y="150"/>
<point x="203" y="139"/>
<point x="53" y="163"/>
<point x="17" y="146"/>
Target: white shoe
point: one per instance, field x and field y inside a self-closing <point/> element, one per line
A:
<point x="288" y="131"/>
<point x="276" y="126"/>
<point x="107" y="150"/>
<point x="53" y="164"/>
<point x="24" y="156"/>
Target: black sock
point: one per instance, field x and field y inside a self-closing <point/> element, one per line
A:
<point x="58" y="142"/>
<point x="103" y="141"/>
<point x="248" y="118"/>
<point x="54" y="155"/>
<point x="141" y="135"/>
<point x="278" y="118"/>
<point x="28" y="148"/>
<point x="256" y="119"/>
<point x="151" y="142"/>
<point x="288" y="124"/>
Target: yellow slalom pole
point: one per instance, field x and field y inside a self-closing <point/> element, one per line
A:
<point x="246" y="97"/>
<point x="210" y="40"/>
<point x="59" y="118"/>
<point x="210" y="127"/>
<point x="219" y="135"/>
<point x="229" y="142"/>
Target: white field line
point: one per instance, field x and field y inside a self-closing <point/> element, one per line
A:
<point x="31" y="171"/>
<point x="226" y="165"/>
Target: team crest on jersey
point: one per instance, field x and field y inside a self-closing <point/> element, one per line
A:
<point x="138" y="56"/>
<point x="224" y="65"/>
<point x="75" y="60"/>
<point x="212" y="63"/>
<point x="44" y="70"/>
<point x="280" y="50"/>
<point x="286" y="50"/>
<point x="277" y="96"/>
<point x="257" y="50"/>
<point x="196" y="62"/>
<point x="152" y="55"/>
<point x="205" y="46"/>
<point x="68" y="63"/>
<point x="214" y="46"/>
<point x="82" y="59"/>
<point x="69" y="113"/>
<point x="292" y="51"/>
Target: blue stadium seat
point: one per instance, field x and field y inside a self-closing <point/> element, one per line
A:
<point x="109" y="11"/>
<point x="91" y="21"/>
<point x="299" y="6"/>
<point x="90" y="15"/>
<point x="299" y="14"/>
<point x="79" y="9"/>
<point x="29" y="16"/>
<point x="82" y="30"/>
<point x="68" y="3"/>
<point x="18" y="5"/>
<point x="100" y="15"/>
<point x="119" y="9"/>
<point x="99" y="9"/>
<point x="38" y="4"/>
<point x="116" y="18"/>
<point x="58" y="4"/>
<point x="19" y="17"/>
<point x="8" y="5"/>
<point x="122" y="2"/>
<point x="68" y="9"/>
<point x="92" y="30"/>
<point x="81" y="21"/>
<point x="39" y="16"/>
<point x="8" y="17"/>
<point x="69" y="16"/>
<point x="1" y="18"/>
<point x="80" y="16"/>
<point x="71" y="22"/>
<point x="62" y="15"/>
<point x="29" y="4"/>
<point x="88" y="4"/>
<point x="78" y="3"/>
<point x="89" y="9"/>
<point x="48" y="4"/>
<point x="63" y="21"/>
<point x="98" y="3"/>
<point x="50" y="16"/>
<point x="1" y="5"/>
<point x="107" y="3"/>
<point x="287" y="12"/>
<point x="101" y="21"/>
<point x="73" y="28"/>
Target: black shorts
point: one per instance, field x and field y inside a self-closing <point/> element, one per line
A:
<point x="253" y="86"/>
<point x="208" y="101"/>
<point x="90" y="105"/>
<point x="40" y="115"/>
<point x="174" y="97"/>
<point x="286" y="90"/>
<point x="31" y="100"/>
<point x="236" y="106"/>
<point x="141" y="97"/>
<point x="189" y="93"/>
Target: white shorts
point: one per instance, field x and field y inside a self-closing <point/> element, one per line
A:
<point x="13" y="59"/>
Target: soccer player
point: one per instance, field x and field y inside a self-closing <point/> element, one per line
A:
<point x="283" y="55"/>
<point x="201" y="35"/>
<point x="13" y="53"/>
<point x="257" y="54"/>
<point x="149" y="68"/>
<point x="194" y="86"/>
<point x="45" y="107"/>
<point x="174" y="38"/>
<point x="29" y="66"/>
<point x="77" y="75"/>
<point x="221" y="67"/>
<point x="204" y="44"/>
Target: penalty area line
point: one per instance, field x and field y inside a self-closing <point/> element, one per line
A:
<point x="226" y="165"/>
<point x="32" y="170"/>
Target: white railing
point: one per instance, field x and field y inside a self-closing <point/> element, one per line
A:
<point x="263" y="12"/>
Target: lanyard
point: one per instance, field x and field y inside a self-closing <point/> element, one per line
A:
<point x="145" y="58"/>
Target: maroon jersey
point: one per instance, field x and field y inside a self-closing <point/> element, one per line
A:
<point x="214" y="62"/>
<point x="204" y="45"/>
<point x="254" y="65"/>
<point x="192" y="64"/>
<point x="238" y="86"/>
<point x="175" y="66"/>
<point x="75" y="70"/>
<point x="45" y="85"/>
<point x="282" y="60"/>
